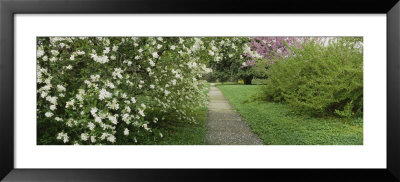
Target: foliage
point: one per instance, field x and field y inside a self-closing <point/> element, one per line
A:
<point x="253" y="69"/>
<point x="259" y="53"/>
<point x="279" y="124"/>
<point x="116" y="90"/>
<point x="321" y="77"/>
<point x="182" y="132"/>
<point x="209" y="77"/>
<point x="228" y="56"/>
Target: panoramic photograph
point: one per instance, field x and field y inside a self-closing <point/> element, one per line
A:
<point x="199" y="90"/>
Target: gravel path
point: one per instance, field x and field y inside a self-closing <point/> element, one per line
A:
<point x="224" y="125"/>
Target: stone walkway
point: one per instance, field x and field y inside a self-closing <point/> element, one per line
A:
<point x="224" y="125"/>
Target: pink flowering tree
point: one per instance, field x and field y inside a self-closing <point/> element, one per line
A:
<point x="274" y="47"/>
<point x="262" y="51"/>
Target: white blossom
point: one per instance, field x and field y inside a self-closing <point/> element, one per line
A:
<point x="117" y="73"/>
<point x="70" y="103"/>
<point x="63" y="136"/>
<point x="84" y="136"/>
<point x="93" y="111"/>
<point x="151" y="63"/>
<point x="141" y="112"/>
<point x="115" y="48"/>
<point x="52" y="59"/>
<point x="100" y="59"/>
<point x="113" y="119"/>
<point x="106" y="50"/>
<point x="91" y="126"/>
<point x="61" y="88"/>
<point x="166" y="92"/>
<point x="80" y="52"/>
<point x="52" y="100"/>
<point x="155" y="54"/>
<point x="113" y="105"/>
<point x="111" y="139"/>
<point x="54" y="52"/>
<point x="93" y="139"/>
<point x="126" y="131"/>
<point x="39" y="53"/>
<point x="53" y="107"/>
<point x="48" y="114"/>
<point x="104" y="94"/>
<point x="145" y="127"/>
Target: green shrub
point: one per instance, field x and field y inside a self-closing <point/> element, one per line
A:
<point x="251" y="69"/>
<point x="210" y="77"/>
<point x="321" y="79"/>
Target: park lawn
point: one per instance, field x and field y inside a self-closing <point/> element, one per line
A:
<point x="227" y="83"/>
<point x="184" y="133"/>
<point x="254" y="82"/>
<point x="277" y="124"/>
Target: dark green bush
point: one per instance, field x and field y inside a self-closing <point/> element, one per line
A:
<point x="258" y="71"/>
<point x="320" y="79"/>
<point x="210" y="77"/>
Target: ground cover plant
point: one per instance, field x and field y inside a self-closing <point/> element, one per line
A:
<point x="279" y="124"/>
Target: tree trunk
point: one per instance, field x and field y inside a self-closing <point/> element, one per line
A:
<point x="247" y="80"/>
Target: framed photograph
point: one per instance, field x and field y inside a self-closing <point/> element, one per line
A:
<point x="156" y="91"/>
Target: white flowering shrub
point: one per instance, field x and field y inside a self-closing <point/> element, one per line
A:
<point x="227" y="56"/>
<point x="116" y="90"/>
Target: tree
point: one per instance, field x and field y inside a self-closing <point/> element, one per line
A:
<point x="261" y="51"/>
<point x="226" y="56"/>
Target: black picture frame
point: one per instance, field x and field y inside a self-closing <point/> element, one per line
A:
<point x="9" y="8"/>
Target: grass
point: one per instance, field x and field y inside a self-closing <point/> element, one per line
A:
<point x="226" y="83"/>
<point x="277" y="124"/>
<point x="184" y="133"/>
<point x="254" y="82"/>
<point x="258" y="81"/>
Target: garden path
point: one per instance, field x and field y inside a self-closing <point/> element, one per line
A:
<point x="224" y="124"/>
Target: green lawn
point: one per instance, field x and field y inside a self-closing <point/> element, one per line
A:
<point x="183" y="133"/>
<point x="227" y="83"/>
<point x="254" y="82"/>
<point x="277" y="124"/>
